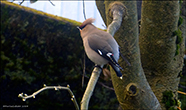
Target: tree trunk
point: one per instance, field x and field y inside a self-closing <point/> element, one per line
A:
<point x="133" y="92"/>
<point x="162" y="48"/>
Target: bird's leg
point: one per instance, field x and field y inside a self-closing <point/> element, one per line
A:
<point x="98" y="66"/>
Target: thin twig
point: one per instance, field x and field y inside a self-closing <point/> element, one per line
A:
<point x="105" y="86"/>
<point x="33" y="2"/>
<point x="21" y="2"/>
<point x="84" y="9"/>
<point x="125" y="59"/>
<point x="84" y="67"/>
<point x="181" y="86"/>
<point x="25" y="96"/>
<point x="181" y="92"/>
<point x="51" y="2"/>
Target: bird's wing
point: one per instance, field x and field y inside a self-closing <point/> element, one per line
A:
<point x="101" y="47"/>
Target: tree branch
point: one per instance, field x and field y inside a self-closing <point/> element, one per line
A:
<point x="90" y="88"/>
<point x="117" y="11"/>
<point x="25" y="96"/>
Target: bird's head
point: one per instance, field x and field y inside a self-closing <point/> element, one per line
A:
<point x="86" y="27"/>
<point x="85" y="23"/>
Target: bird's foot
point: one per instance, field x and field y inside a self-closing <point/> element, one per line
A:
<point x="98" y="66"/>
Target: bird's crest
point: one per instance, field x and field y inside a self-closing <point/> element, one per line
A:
<point x="87" y="21"/>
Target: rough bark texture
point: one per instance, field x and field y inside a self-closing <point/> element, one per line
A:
<point x="133" y="92"/>
<point x="183" y="15"/>
<point x="161" y="47"/>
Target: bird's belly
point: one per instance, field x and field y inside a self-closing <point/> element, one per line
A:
<point x="93" y="56"/>
<point x="97" y="59"/>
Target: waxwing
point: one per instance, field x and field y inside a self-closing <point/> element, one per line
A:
<point x="100" y="47"/>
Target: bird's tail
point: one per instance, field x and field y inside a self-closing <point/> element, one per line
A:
<point x="117" y="70"/>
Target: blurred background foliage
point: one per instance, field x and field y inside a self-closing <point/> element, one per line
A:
<point x="38" y="48"/>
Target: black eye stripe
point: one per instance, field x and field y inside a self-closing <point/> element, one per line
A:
<point x="82" y="27"/>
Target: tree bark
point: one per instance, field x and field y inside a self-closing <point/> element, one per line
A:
<point x="162" y="47"/>
<point x="133" y="92"/>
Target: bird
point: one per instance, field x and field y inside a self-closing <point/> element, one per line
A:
<point x="100" y="46"/>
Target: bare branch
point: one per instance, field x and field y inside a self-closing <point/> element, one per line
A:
<point x="102" y="84"/>
<point x="25" y="96"/>
<point x="90" y="88"/>
<point x="116" y="10"/>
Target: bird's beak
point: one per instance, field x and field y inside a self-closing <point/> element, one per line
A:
<point x="79" y="28"/>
